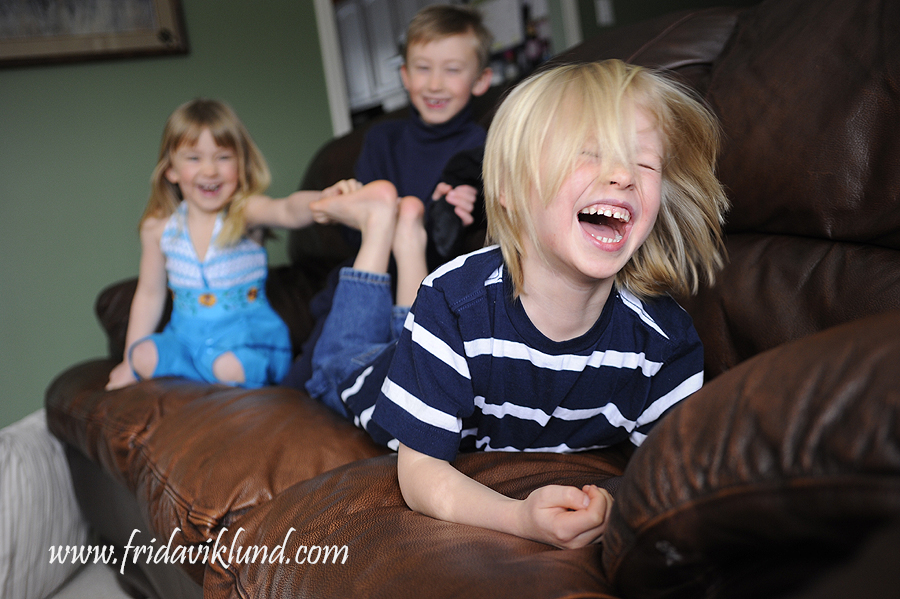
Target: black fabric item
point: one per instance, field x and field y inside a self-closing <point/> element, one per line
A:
<point x="445" y="229"/>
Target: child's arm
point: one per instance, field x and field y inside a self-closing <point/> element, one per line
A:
<point x="461" y="197"/>
<point x="292" y="212"/>
<point x="149" y="298"/>
<point x="558" y="515"/>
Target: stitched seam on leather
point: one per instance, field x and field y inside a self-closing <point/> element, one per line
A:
<point x="190" y="512"/>
<point x="661" y="35"/>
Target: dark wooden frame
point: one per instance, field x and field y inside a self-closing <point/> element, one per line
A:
<point x="168" y="36"/>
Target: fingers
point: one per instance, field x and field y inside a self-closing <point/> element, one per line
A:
<point x="463" y="197"/>
<point x="120" y="376"/>
<point x="465" y="216"/>
<point x="342" y="187"/>
<point x="569" y="517"/>
<point x="440" y="191"/>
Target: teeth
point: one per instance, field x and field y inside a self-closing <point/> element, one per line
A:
<point x="617" y="239"/>
<point x="621" y="215"/>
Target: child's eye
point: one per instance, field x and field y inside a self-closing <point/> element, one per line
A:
<point x="650" y="167"/>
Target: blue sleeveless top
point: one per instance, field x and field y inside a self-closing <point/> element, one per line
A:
<point x="219" y="305"/>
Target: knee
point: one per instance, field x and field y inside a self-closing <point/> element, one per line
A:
<point x="144" y="358"/>
<point x="228" y="369"/>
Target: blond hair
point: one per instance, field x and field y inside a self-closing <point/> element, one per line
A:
<point x="440" y="21"/>
<point x="542" y="127"/>
<point x="184" y="127"/>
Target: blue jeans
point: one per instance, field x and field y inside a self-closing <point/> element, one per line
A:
<point x="363" y="322"/>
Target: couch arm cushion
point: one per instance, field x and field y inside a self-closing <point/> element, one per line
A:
<point x="198" y="456"/>
<point x="392" y="551"/>
<point x="768" y="474"/>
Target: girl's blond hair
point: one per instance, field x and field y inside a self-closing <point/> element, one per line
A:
<point x="184" y="127"/>
<point x="545" y="123"/>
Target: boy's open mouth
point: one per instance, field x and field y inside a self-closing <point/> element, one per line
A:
<point x="435" y="103"/>
<point x="606" y="224"/>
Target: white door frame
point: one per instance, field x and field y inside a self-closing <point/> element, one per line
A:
<point x="333" y="66"/>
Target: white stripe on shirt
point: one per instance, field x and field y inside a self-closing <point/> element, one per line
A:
<point x="655" y="410"/>
<point x="609" y="411"/>
<point x="632" y="302"/>
<point x="453" y="265"/>
<point x="418" y="409"/>
<point x="436" y="346"/>
<point x="501" y="348"/>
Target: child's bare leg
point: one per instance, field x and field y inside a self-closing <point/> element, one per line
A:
<point x="228" y="369"/>
<point x="144" y="358"/>
<point x="372" y="210"/>
<point x="408" y="246"/>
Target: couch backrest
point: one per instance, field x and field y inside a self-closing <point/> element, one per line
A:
<point x="808" y="93"/>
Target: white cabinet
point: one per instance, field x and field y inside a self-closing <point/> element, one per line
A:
<point x="370" y="33"/>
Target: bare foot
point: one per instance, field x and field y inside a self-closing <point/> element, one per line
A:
<point x="356" y="208"/>
<point x="408" y="247"/>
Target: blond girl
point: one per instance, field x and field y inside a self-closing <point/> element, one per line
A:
<point x="201" y="239"/>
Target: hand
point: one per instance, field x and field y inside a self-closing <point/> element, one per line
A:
<point x="462" y="197"/>
<point x="121" y="376"/>
<point x="341" y="187"/>
<point x="566" y="516"/>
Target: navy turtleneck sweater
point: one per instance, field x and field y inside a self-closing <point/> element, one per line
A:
<point x="411" y="153"/>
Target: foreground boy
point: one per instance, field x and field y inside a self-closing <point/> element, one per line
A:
<point x="601" y="194"/>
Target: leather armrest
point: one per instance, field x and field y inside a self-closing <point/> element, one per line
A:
<point x="781" y="466"/>
<point x="198" y="456"/>
<point x="383" y="549"/>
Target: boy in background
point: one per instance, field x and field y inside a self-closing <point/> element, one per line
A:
<point x="445" y="64"/>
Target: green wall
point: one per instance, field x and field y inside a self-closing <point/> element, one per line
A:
<point x="78" y="143"/>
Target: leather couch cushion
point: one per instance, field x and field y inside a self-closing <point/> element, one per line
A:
<point x="768" y="474"/>
<point x="811" y="162"/>
<point x="819" y="128"/>
<point x="198" y="456"/>
<point x="778" y="288"/>
<point x="686" y="43"/>
<point x="397" y="553"/>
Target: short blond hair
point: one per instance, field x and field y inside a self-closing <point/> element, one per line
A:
<point x="439" y="21"/>
<point x="595" y="104"/>
<point x="184" y="127"/>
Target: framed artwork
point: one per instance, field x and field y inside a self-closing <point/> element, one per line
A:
<point x="54" y="31"/>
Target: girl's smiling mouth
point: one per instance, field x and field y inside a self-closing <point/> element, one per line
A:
<point x="605" y="223"/>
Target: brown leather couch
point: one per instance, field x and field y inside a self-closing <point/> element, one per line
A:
<point x="781" y="477"/>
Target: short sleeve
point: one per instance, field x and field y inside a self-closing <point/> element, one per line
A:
<point x="428" y="390"/>
<point x="680" y="375"/>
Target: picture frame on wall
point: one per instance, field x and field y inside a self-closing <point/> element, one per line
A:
<point x="57" y="31"/>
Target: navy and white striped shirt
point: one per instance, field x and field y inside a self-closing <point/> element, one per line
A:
<point x="471" y="371"/>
